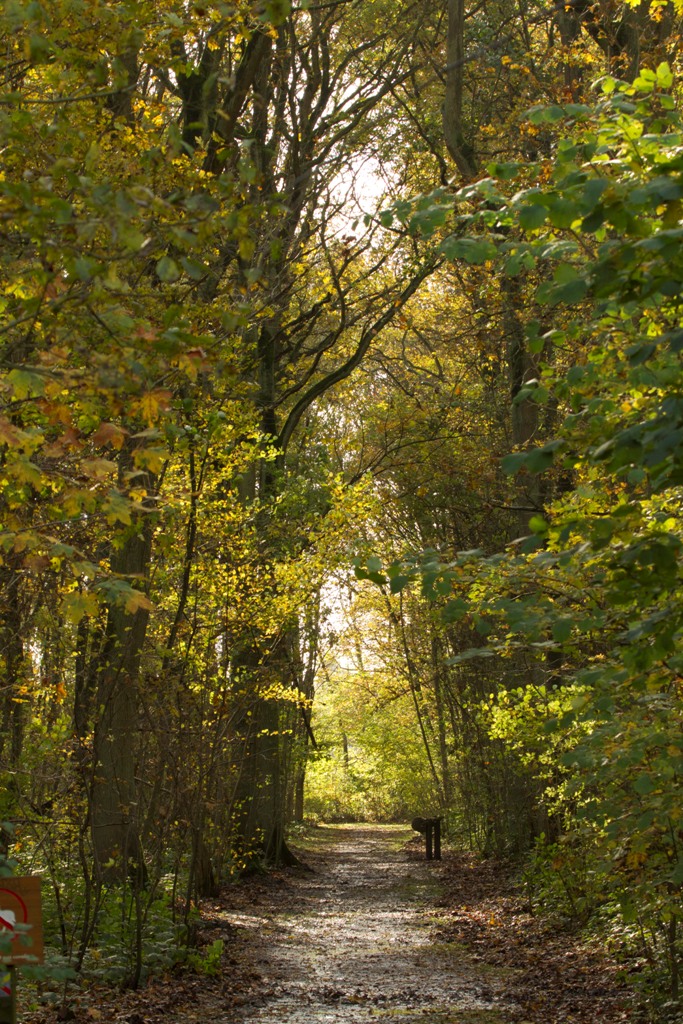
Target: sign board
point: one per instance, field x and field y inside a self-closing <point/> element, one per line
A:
<point x="21" y="921"/>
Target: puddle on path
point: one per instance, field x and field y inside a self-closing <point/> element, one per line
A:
<point x="350" y="943"/>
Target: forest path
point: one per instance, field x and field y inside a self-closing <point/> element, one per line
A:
<point x="349" y="942"/>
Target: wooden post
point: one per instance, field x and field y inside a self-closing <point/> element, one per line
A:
<point x="437" y="839"/>
<point x="429" y="835"/>
<point x="8" y="995"/>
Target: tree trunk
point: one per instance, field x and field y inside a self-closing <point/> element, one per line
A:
<point x="12" y="665"/>
<point x="437" y="668"/>
<point x="459" y="146"/>
<point x="114" y="806"/>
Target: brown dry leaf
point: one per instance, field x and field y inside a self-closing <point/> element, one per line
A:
<point x="109" y="433"/>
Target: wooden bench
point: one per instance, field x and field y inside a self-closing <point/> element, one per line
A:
<point x="431" y="829"/>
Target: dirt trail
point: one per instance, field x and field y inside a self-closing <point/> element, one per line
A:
<point x="350" y="942"/>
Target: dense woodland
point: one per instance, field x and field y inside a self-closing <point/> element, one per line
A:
<point x="341" y="450"/>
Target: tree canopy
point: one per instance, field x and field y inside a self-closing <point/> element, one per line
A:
<point x="340" y="446"/>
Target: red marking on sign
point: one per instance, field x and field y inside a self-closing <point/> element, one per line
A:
<point x="17" y="898"/>
<point x="20" y="907"/>
<point x="5" y="921"/>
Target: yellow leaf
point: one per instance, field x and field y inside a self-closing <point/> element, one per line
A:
<point x="153" y="404"/>
<point x="98" y="469"/>
<point x="117" y="509"/>
<point x="25" y="472"/>
<point x="77" y="604"/>
<point x="151" y="459"/>
<point x="137" y="601"/>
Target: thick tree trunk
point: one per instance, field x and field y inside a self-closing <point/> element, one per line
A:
<point x="459" y="146"/>
<point x="113" y="794"/>
<point x="114" y="806"/>
<point x="524" y="414"/>
<point x="260" y="798"/>
<point x="12" y="666"/>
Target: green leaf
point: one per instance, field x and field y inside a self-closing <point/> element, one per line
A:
<point x="568" y="287"/>
<point x="676" y="876"/>
<point x="644" y="785"/>
<point x="593" y="221"/>
<point x="472" y="250"/>
<point x="674" y="339"/>
<point x="428" y="218"/>
<point x="40" y="49"/>
<point x="455" y="610"/>
<point x="593" y="191"/>
<point x="532" y="217"/>
<point x="397" y="583"/>
<point x="512" y="463"/>
<point x="85" y="268"/>
<point x="546" y="115"/>
<point x="504" y="171"/>
<point x="193" y="268"/>
<point x="540" y="459"/>
<point x="520" y="260"/>
<point x="562" y="212"/>
<point x="645" y="82"/>
<point x="562" y="630"/>
<point x="168" y="270"/>
<point x="665" y="78"/>
<point x="640" y="353"/>
<point x="26" y="383"/>
<point x="275" y="12"/>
